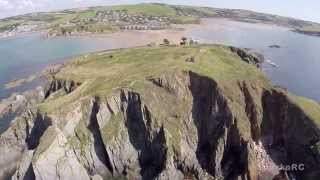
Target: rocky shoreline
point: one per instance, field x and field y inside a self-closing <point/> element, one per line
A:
<point x="310" y="33"/>
<point x="17" y="103"/>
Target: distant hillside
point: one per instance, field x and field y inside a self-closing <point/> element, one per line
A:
<point x="138" y="17"/>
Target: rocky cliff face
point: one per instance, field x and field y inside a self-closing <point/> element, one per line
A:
<point x="182" y="126"/>
<point x="61" y="85"/>
<point x="294" y="131"/>
<point x="178" y="124"/>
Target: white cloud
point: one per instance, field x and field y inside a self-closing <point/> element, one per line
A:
<point x="4" y="3"/>
<point x="26" y="4"/>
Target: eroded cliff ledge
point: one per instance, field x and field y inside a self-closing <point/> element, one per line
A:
<point x="146" y="113"/>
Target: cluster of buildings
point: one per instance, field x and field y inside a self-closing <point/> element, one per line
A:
<point x="21" y="28"/>
<point x="119" y="18"/>
<point x="128" y="21"/>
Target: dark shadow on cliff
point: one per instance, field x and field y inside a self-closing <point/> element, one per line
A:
<point x="211" y="117"/>
<point x="151" y="148"/>
<point x="99" y="147"/>
<point x="41" y="124"/>
<point x="291" y="133"/>
<point x="57" y="84"/>
<point x="29" y="174"/>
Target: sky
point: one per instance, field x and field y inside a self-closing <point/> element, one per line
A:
<point x="301" y="9"/>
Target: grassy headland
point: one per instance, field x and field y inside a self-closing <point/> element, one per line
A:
<point x="103" y="72"/>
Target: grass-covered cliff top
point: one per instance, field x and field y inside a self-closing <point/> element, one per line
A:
<point x="310" y="107"/>
<point x="103" y="72"/>
<point x="136" y="63"/>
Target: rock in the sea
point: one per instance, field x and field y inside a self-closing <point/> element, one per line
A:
<point x="274" y="46"/>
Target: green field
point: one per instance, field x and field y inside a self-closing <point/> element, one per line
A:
<point x="8" y="25"/>
<point x="86" y="14"/>
<point x="147" y="9"/>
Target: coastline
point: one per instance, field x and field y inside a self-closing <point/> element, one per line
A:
<point x="174" y="33"/>
<point x="308" y="33"/>
<point x="22" y="34"/>
<point x="123" y="39"/>
<point x="128" y="38"/>
<point x="172" y="27"/>
<point x="206" y="22"/>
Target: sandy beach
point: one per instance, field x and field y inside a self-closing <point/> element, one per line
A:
<point x="131" y="38"/>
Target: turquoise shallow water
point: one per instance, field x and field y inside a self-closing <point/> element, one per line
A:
<point x="298" y="58"/>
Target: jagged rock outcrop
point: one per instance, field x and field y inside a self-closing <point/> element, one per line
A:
<point x="248" y="56"/>
<point x="23" y="135"/>
<point x="133" y="135"/>
<point x="17" y="104"/>
<point x="55" y="85"/>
